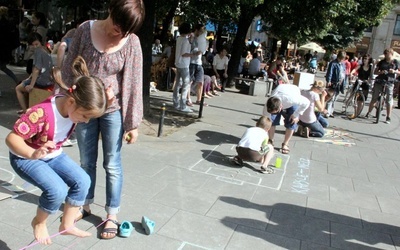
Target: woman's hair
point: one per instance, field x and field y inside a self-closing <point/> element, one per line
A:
<point x="88" y="91"/>
<point x="127" y="14"/>
<point x="264" y="122"/>
<point x="341" y="55"/>
<point x="34" y="37"/>
<point x="41" y="17"/>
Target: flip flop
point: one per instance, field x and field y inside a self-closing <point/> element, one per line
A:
<point x="125" y="229"/>
<point x="109" y="230"/>
<point x="148" y="225"/>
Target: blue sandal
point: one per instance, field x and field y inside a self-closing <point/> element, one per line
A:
<point x="148" y="225"/>
<point x="125" y="229"/>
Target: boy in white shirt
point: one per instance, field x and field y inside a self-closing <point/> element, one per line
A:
<point x="254" y="147"/>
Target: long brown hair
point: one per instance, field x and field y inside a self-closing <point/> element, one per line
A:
<point x="127" y="14"/>
<point x="87" y="91"/>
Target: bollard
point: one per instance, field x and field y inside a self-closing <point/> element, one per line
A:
<point x="160" y="125"/>
<point x="201" y="105"/>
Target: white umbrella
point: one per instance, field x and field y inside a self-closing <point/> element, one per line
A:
<point x="313" y="47"/>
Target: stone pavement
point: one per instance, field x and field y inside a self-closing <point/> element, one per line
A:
<point x="341" y="192"/>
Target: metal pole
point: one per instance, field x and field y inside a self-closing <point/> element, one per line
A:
<point x="160" y="125"/>
<point x="201" y="105"/>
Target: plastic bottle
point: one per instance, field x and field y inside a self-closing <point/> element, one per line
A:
<point x="278" y="162"/>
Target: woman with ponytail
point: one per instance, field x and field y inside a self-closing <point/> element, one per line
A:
<point x="37" y="157"/>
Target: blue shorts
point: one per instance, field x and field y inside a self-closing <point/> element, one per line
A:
<point x="286" y="113"/>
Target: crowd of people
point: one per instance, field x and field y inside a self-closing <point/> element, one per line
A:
<point x="98" y="93"/>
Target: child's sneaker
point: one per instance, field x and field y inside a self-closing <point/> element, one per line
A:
<point x="237" y="161"/>
<point x="299" y="131"/>
<point x="387" y="120"/>
<point x="187" y="110"/>
<point x="306" y="132"/>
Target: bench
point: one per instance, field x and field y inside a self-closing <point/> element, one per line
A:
<point x="38" y="95"/>
<point x="255" y="87"/>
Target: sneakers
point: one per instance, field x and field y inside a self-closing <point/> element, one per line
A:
<point x="69" y="142"/>
<point x="299" y="131"/>
<point x="367" y="115"/>
<point x="387" y="120"/>
<point x="186" y="110"/>
<point x="306" y="132"/>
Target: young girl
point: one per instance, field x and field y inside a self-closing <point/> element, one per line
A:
<point x="254" y="147"/>
<point x="40" y="77"/>
<point x="310" y="123"/>
<point x="36" y="154"/>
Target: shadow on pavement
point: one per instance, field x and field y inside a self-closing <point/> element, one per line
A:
<point x="215" y="138"/>
<point x="297" y="222"/>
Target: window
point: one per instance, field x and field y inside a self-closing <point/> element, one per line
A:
<point x="396" y="30"/>
<point x="259" y="27"/>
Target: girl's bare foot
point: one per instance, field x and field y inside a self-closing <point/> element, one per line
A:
<point x="73" y="231"/>
<point x="40" y="232"/>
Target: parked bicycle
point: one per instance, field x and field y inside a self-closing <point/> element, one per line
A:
<point x="355" y="102"/>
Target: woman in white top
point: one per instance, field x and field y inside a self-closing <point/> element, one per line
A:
<point x="309" y="124"/>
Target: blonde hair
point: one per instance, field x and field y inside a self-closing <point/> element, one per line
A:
<point x="264" y="122"/>
<point x="318" y="84"/>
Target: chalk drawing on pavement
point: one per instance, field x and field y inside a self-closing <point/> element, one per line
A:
<point x="301" y="182"/>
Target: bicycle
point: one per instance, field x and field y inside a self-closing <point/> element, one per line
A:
<point x="355" y="102"/>
<point x="381" y="99"/>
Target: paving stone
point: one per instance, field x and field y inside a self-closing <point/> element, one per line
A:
<point x="347" y="172"/>
<point x="333" y="212"/>
<point x="380" y="222"/>
<point x="280" y="200"/>
<point x="306" y="245"/>
<point x="338" y="182"/>
<point x="249" y="238"/>
<point x="368" y="201"/>
<point x="379" y="189"/>
<point x="226" y="187"/>
<point x="181" y="177"/>
<point x="199" y="230"/>
<point x="347" y="237"/>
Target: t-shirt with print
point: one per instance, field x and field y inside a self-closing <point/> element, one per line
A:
<point x="385" y="65"/>
<point x="309" y="114"/>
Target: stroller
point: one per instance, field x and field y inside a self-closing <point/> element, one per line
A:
<point x="312" y="66"/>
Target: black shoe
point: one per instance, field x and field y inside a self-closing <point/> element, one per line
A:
<point x="387" y="120"/>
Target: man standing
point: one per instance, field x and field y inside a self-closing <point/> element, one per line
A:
<point x="386" y="69"/>
<point x="286" y="100"/>
<point x="334" y="80"/>
<point x="199" y="46"/>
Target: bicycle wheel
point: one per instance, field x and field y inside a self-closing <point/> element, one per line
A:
<point x="350" y="106"/>
<point x="347" y="95"/>
<point x="360" y="100"/>
<point x="378" y="108"/>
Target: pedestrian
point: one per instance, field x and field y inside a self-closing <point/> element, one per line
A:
<point x="253" y="145"/>
<point x="113" y="53"/>
<point x="183" y="55"/>
<point x="8" y="43"/>
<point x="36" y="154"/>
<point x="286" y="100"/>
<point x="220" y="66"/>
<point x="334" y="81"/>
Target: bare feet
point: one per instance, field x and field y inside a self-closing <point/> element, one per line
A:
<point x="40" y="232"/>
<point x="73" y="231"/>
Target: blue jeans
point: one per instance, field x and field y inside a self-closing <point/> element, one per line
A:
<point x="316" y="129"/>
<point x="324" y="122"/>
<point x="286" y="113"/>
<point x="111" y="129"/>
<point x="53" y="177"/>
<point x="181" y="73"/>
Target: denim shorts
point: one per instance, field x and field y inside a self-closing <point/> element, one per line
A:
<point x="286" y="113"/>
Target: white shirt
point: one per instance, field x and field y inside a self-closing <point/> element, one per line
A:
<point x="289" y="95"/>
<point x="220" y="63"/>
<point x="182" y="47"/>
<point x="309" y="114"/>
<point x="254" y="138"/>
<point x="199" y="44"/>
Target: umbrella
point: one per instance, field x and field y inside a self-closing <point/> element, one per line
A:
<point x="313" y="47"/>
<point x="395" y="56"/>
